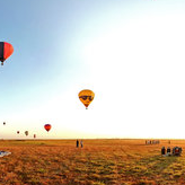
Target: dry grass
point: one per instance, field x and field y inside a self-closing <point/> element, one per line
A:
<point x="100" y="162"/>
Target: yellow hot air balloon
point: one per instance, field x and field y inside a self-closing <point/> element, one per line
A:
<point x="86" y="96"/>
<point x="26" y="133"/>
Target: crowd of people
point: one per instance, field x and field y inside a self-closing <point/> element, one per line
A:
<point x="149" y="142"/>
<point x="175" y="151"/>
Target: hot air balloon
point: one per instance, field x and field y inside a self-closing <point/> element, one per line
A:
<point x="47" y="127"/>
<point x="26" y="133"/>
<point x="18" y="132"/>
<point x="6" y="50"/>
<point x="86" y="97"/>
<point x="34" y="136"/>
<point x="4" y="123"/>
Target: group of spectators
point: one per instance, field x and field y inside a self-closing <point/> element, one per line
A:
<point x="149" y="142"/>
<point x="175" y="151"/>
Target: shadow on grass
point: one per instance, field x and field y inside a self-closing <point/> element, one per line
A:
<point x="150" y="167"/>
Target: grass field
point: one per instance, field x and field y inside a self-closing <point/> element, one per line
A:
<point x="100" y="162"/>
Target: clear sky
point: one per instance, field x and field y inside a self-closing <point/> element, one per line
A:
<point x="129" y="52"/>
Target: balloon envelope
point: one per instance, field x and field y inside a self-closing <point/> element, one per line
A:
<point x="6" y="49"/>
<point x="26" y="133"/>
<point x="47" y="127"/>
<point x="86" y="96"/>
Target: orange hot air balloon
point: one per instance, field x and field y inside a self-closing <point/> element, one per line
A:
<point x="86" y="96"/>
<point x="47" y="127"/>
<point x="6" y="50"/>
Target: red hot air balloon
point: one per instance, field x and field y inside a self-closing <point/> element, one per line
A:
<point x="47" y="127"/>
<point x="6" y="50"/>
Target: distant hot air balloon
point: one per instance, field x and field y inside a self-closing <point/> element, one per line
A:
<point x="26" y="133"/>
<point x="47" y="127"/>
<point x="18" y="132"/>
<point x="4" y="123"/>
<point x="34" y="136"/>
<point x="86" y="97"/>
<point x="6" y="50"/>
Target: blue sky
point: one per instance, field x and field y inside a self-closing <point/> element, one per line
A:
<point x="130" y="53"/>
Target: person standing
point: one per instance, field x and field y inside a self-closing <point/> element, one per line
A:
<point x="163" y="150"/>
<point x="81" y="143"/>
<point x="168" y="151"/>
<point x="77" y="143"/>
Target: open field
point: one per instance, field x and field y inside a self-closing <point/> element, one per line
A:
<point x="100" y="162"/>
